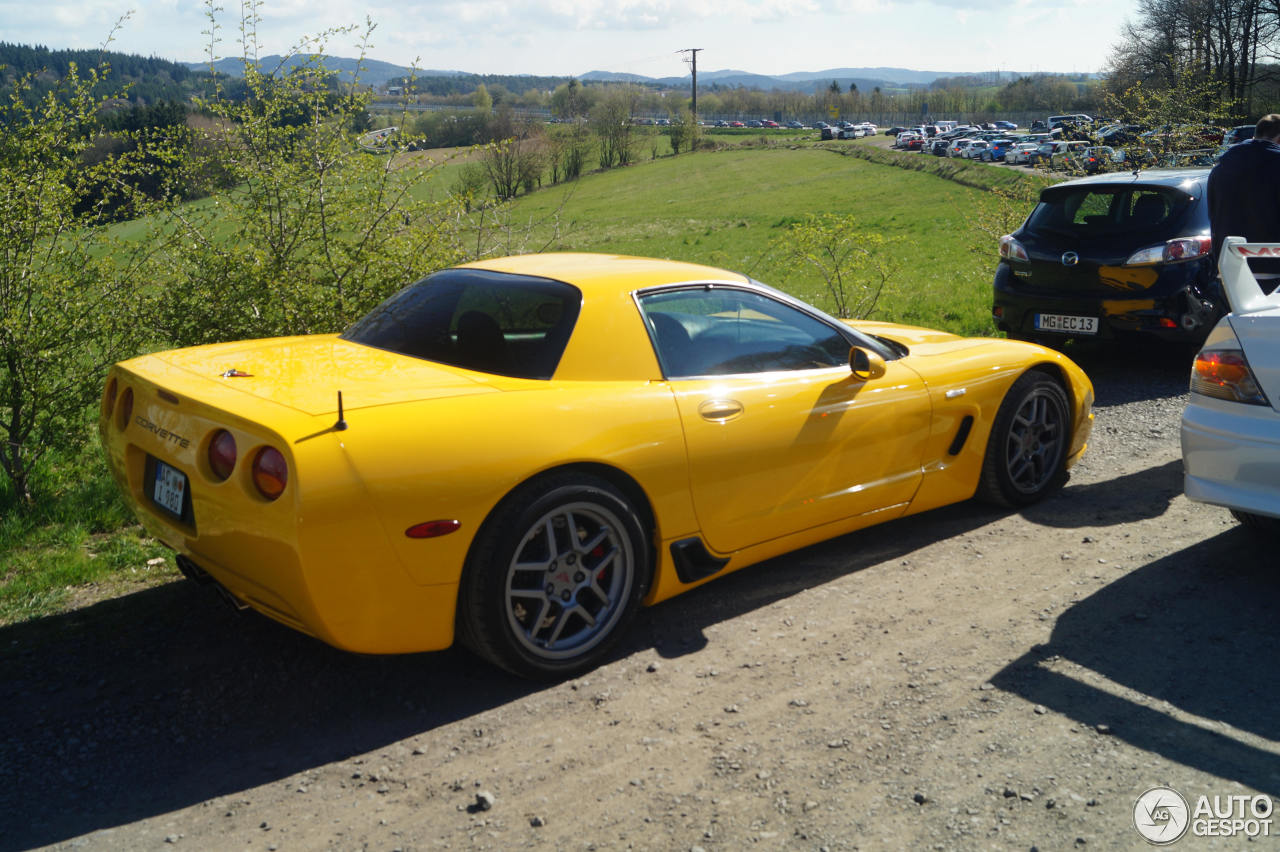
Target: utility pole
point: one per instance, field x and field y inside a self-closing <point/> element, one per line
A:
<point x="693" y="64"/>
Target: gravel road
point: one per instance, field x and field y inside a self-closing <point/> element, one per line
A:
<point x="965" y="679"/>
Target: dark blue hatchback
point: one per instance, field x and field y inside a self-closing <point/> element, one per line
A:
<point x="1111" y="256"/>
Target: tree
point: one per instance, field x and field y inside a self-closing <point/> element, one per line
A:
<point x="69" y="305"/>
<point x="611" y="120"/>
<point x="314" y="232"/>
<point x="481" y="100"/>
<point x="852" y="262"/>
<point x="683" y="131"/>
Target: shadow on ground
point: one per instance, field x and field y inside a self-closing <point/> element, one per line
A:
<point x="1196" y="631"/>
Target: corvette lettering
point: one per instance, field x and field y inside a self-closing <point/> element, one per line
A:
<point x="161" y="433"/>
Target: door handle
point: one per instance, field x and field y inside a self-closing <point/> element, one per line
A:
<point x="720" y="409"/>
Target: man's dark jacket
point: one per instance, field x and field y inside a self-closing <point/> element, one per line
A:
<point x="1244" y="197"/>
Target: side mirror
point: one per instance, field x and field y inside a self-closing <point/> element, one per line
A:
<point x="865" y="364"/>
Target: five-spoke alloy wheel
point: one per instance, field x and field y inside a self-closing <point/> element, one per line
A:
<point x="555" y="574"/>
<point x="1027" y="450"/>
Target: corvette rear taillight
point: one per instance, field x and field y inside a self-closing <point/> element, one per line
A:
<point x="270" y="473"/>
<point x="222" y="455"/>
<point x="125" y="411"/>
<point x="109" y="397"/>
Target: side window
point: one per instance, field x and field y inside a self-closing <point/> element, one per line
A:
<point x="722" y="331"/>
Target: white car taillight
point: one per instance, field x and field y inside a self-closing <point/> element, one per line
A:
<point x="1011" y="249"/>
<point x="1224" y="373"/>
<point x="1173" y="251"/>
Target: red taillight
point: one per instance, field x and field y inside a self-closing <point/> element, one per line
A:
<point x="109" y="397"/>
<point x="126" y="408"/>
<point x="1225" y="374"/>
<point x="270" y="473"/>
<point x="1012" y="249"/>
<point x="222" y="455"/>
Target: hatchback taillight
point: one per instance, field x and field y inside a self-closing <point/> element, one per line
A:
<point x="1173" y="251"/>
<point x="1011" y="249"/>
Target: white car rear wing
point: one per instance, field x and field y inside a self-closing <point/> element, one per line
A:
<point x="1244" y="293"/>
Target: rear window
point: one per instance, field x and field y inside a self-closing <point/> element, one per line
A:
<point x="492" y="322"/>
<point x="1100" y="209"/>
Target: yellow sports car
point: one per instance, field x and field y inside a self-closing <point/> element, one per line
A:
<point x="521" y="452"/>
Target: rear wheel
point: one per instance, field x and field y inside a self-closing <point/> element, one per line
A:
<point x="556" y="574"/>
<point x="1027" y="450"/>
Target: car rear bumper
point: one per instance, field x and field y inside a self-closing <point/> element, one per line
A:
<point x="1176" y="312"/>
<point x="1231" y="455"/>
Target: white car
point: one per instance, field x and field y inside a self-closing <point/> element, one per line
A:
<point x="1231" y="425"/>
<point x="1022" y="152"/>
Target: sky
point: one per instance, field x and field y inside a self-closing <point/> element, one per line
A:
<point x="573" y="37"/>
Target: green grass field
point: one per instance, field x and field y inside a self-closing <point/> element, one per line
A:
<point x="725" y="208"/>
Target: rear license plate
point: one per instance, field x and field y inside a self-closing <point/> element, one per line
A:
<point x="169" y="489"/>
<point x="1066" y="324"/>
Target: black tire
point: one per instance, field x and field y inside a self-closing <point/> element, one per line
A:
<point x="1027" y="451"/>
<point x="1261" y="524"/>
<point x="554" y="577"/>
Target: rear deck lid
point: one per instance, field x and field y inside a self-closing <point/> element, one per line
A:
<point x="306" y="373"/>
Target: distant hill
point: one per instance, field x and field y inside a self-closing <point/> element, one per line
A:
<point x="371" y="72"/>
<point x="800" y="81"/>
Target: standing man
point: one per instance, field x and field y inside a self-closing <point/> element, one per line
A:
<point x="1244" y="196"/>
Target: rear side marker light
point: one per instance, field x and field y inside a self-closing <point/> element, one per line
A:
<point x="432" y="529"/>
<point x="270" y="473"/>
<point x="222" y="455"/>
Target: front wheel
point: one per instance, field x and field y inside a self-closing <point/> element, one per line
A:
<point x="555" y="575"/>
<point x="1027" y="451"/>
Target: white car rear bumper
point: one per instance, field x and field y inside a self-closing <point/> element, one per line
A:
<point x="1231" y="455"/>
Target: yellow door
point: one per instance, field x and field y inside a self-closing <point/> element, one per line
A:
<point x="781" y="436"/>
<point x="772" y="455"/>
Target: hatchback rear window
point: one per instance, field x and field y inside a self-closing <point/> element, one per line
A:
<point x="1086" y="210"/>
<point x="493" y="322"/>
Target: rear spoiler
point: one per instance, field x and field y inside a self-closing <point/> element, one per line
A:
<point x="1244" y="293"/>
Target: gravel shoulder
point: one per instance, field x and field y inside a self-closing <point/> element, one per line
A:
<point x="963" y="679"/>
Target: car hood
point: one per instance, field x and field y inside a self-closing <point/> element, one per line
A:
<point x="306" y="373"/>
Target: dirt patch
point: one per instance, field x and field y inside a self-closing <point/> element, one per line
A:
<point x="965" y="679"/>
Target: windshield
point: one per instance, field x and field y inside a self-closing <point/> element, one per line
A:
<point x="492" y="322"/>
